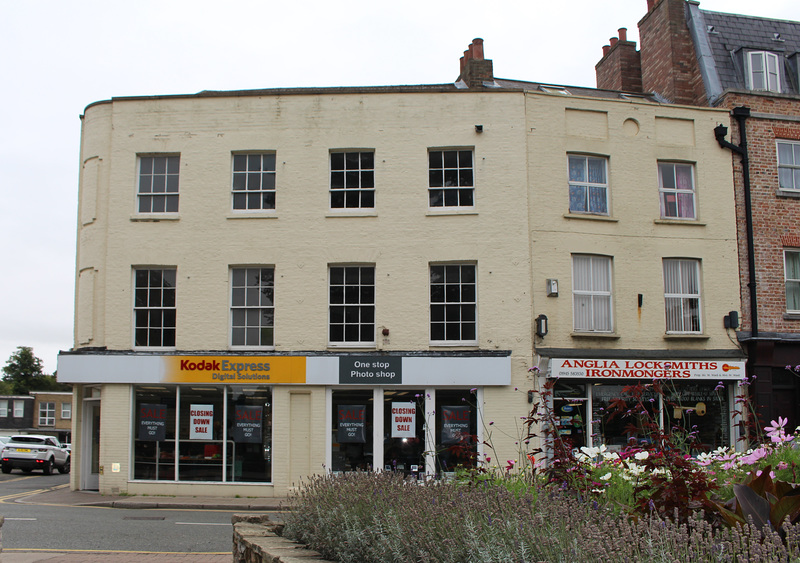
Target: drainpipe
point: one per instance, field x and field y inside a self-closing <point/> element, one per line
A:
<point x="720" y="131"/>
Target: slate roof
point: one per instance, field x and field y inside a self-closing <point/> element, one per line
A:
<point x="730" y="35"/>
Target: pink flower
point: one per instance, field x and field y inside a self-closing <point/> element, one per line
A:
<point x="753" y="457"/>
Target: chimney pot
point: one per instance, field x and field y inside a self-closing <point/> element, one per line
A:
<point x="606" y="49"/>
<point x="468" y="55"/>
<point x="613" y="41"/>
<point x="650" y="4"/>
<point x="477" y="48"/>
<point x="623" y="34"/>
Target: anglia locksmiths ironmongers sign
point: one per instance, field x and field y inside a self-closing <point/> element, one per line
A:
<point x="371" y="370"/>
<point x="646" y="369"/>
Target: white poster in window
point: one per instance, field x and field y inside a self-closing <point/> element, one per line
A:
<point x="201" y="422"/>
<point x="404" y="420"/>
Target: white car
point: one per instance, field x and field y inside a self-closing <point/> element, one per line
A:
<point x="32" y="451"/>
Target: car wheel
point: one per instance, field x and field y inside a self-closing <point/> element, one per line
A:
<point x="6" y="468"/>
<point x="48" y="467"/>
<point x="64" y="468"/>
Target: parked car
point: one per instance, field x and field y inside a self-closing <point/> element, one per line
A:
<point x="32" y="451"/>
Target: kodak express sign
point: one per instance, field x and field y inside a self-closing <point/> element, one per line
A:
<point x="235" y="369"/>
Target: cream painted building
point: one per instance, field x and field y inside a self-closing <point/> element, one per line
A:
<point x="276" y="283"/>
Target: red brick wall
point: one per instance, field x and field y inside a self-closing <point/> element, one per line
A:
<point x="776" y="220"/>
<point x="620" y="69"/>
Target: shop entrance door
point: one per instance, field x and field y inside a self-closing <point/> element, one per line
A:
<point x="404" y="432"/>
<point x="90" y="446"/>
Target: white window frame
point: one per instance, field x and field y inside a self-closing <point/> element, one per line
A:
<point x="770" y="78"/>
<point x="792" y="281"/>
<point x="451" y="184"/>
<point x="358" y="295"/>
<point x="4" y="408"/>
<point x="680" y="290"/>
<point x="147" y="308"/>
<point x="352" y="181"/>
<point x="252" y="306"/>
<point x="66" y="410"/>
<point x="442" y="302"/>
<point x="668" y="186"/>
<point x="19" y="409"/>
<point x="584" y="183"/>
<point x="157" y="187"/>
<point x="47" y="413"/>
<point x="253" y="182"/>
<point x="788" y="155"/>
<point x="596" y="294"/>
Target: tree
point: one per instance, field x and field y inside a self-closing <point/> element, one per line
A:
<point x="24" y="372"/>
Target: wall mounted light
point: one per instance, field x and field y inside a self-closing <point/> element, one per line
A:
<point x="541" y="326"/>
<point x="479" y="128"/>
<point x="551" y="287"/>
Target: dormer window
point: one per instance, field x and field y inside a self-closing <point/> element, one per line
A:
<point x="763" y="71"/>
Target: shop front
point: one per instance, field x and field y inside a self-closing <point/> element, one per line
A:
<point x="223" y="424"/>
<point x="613" y="402"/>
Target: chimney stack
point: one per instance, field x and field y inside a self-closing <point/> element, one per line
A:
<point x="474" y="69"/>
<point x="621" y="67"/>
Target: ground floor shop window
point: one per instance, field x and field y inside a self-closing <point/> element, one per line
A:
<point x="697" y="412"/>
<point x="416" y="432"/>
<point x="209" y="433"/>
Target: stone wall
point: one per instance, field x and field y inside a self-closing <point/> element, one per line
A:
<point x="257" y="539"/>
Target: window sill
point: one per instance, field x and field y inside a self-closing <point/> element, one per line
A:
<point x="791" y="316"/>
<point x="460" y="344"/>
<point x="270" y="214"/>
<point x="251" y="348"/>
<point x="590" y="217"/>
<point x="353" y="345"/>
<point x="352" y="213"/>
<point x="155" y="217"/>
<point x="436" y="211"/>
<point x="687" y="336"/>
<point x="789" y="194"/>
<point x="605" y="335"/>
<point x="687" y="222"/>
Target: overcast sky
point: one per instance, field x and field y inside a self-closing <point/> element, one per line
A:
<point x="58" y="56"/>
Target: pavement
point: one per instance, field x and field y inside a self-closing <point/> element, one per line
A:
<point x="61" y="495"/>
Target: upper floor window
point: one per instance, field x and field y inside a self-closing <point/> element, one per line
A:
<point x="154" y="307"/>
<point x="682" y="295"/>
<point x="352" y="305"/>
<point x="789" y="165"/>
<point x="4" y="408"/>
<point x="454" y="302"/>
<point x="19" y="409"/>
<point x="591" y="293"/>
<point x="676" y="189"/>
<point x="792" y="278"/>
<point x="252" y="307"/>
<point x="450" y="178"/>
<point x="588" y="185"/>
<point x="158" y="184"/>
<point x="763" y="71"/>
<point x="254" y="181"/>
<point x="47" y="414"/>
<point x="66" y="410"/>
<point x="352" y="180"/>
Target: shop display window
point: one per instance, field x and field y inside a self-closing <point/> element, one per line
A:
<point x="206" y="449"/>
<point x="629" y="427"/>
<point x="456" y="417"/>
<point x="699" y="411"/>
<point x="352" y="426"/>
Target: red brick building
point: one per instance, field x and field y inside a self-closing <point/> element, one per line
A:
<point x="750" y="65"/>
